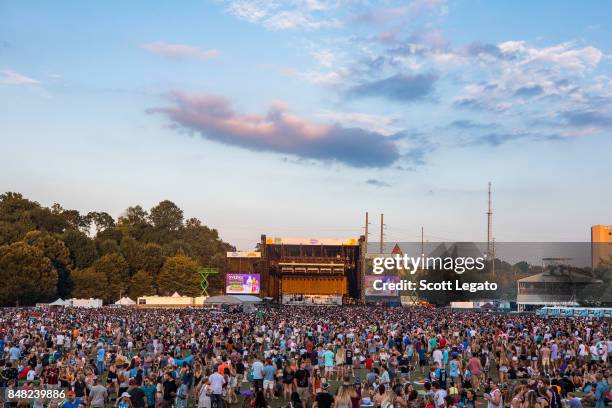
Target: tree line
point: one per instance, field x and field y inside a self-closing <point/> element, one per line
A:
<point x="50" y="252"/>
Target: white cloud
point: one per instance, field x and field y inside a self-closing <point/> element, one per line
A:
<point x="9" y="77"/>
<point x="278" y="15"/>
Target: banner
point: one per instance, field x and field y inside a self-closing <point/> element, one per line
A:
<point x="246" y="284"/>
<point x="244" y="254"/>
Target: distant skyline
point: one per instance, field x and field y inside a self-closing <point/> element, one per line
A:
<point x="293" y="118"/>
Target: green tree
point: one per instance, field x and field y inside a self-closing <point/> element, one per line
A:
<point x="101" y="220"/>
<point x="152" y="258"/>
<point x="59" y="255"/>
<point x="76" y="221"/>
<point x="115" y="270"/>
<point x="166" y="216"/>
<point x="134" y="222"/>
<point x="133" y="252"/>
<point x="108" y="246"/>
<point x="89" y="283"/>
<point x="141" y="284"/>
<point x="106" y="279"/>
<point x="82" y="248"/>
<point x="179" y="274"/>
<point x="27" y="275"/>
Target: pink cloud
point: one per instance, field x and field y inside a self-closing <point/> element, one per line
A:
<point x="177" y="51"/>
<point x="278" y="130"/>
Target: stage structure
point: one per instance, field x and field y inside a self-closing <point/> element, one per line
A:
<point x="310" y="271"/>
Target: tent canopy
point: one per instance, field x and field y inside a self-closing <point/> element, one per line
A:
<point x="125" y="301"/>
<point x="59" y="302"/>
<point x="231" y="299"/>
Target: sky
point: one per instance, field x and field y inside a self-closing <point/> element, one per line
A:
<point x="293" y="118"/>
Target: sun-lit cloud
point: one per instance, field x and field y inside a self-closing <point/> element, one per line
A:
<point x="179" y="51"/>
<point x="278" y="130"/>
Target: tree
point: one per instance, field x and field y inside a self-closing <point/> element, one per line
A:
<point x="166" y="216"/>
<point x="108" y="246"/>
<point x="27" y="275"/>
<point x="179" y="274"/>
<point x="106" y="279"/>
<point x="141" y="284"/>
<point x="89" y="283"/>
<point x="115" y="270"/>
<point x="113" y="233"/>
<point x="101" y="220"/>
<point x="177" y="248"/>
<point x="59" y="255"/>
<point x="134" y="222"/>
<point x="9" y="233"/>
<point x="132" y="251"/>
<point x="76" y="221"/>
<point x="82" y="249"/>
<point x="152" y="258"/>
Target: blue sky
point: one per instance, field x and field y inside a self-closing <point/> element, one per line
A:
<point x="293" y="118"/>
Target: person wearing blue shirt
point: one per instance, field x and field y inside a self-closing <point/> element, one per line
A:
<point x="268" y="379"/>
<point x="600" y="391"/>
<point x="328" y="356"/>
<point x="14" y="354"/>
<point x="73" y="401"/>
<point x="100" y="360"/>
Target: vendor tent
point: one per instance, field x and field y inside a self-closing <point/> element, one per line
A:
<point x="222" y="300"/>
<point x="125" y="301"/>
<point x="59" y="302"/>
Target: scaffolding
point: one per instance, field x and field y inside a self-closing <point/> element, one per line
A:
<point x="204" y="274"/>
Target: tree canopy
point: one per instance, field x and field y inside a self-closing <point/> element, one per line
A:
<point x="47" y="252"/>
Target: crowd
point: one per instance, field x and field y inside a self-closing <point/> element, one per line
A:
<point x="305" y="357"/>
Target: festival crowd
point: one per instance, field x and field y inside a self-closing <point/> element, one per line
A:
<point x="305" y="357"/>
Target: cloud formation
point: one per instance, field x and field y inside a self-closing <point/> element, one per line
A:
<point x="377" y="183"/>
<point x="179" y="51"/>
<point x="273" y="15"/>
<point x="404" y="88"/>
<point x="9" y="77"/>
<point x="214" y="118"/>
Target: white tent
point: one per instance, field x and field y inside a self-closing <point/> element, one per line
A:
<point x="125" y="301"/>
<point x="59" y="302"/>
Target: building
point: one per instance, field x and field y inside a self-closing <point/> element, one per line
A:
<point x="553" y="287"/>
<point x="601" y="244"/>
<point x="310" y="270"/>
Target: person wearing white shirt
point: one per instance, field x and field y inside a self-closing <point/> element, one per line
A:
<point x="216" y="385"/>
<point x="438" y="356"/>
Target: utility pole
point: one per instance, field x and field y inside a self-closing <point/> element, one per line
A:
<point x="382" y="231"/>
<point x="489" y="226"/>
<point x="422" y="243"/>
<point x="364" y="262"/>
<point x="367" y="223"/>
<point x="493" y="260"/>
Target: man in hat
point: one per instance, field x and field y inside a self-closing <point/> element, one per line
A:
<point x="323" y="399"/>
<point x="73" y="401"/>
